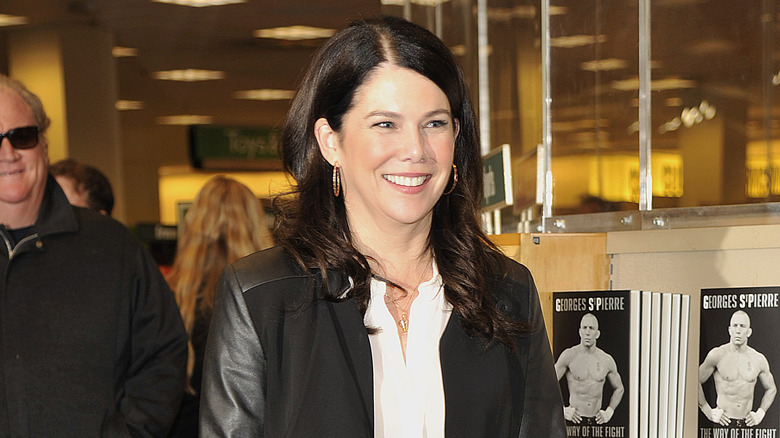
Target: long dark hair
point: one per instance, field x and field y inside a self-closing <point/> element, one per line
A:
<point x="312" y="225"/>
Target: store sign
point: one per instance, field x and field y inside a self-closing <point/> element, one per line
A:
<point x="234" y="148"/>
<point x="497" y="179"/>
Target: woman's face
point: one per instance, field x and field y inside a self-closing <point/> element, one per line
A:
<point x="395" y="149"/>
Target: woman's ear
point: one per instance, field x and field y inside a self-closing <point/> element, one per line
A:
<point x="327" y="139"/>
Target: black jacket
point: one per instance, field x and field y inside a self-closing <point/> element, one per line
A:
<point x="279" y="365"/>
<point x="91" y="339"/>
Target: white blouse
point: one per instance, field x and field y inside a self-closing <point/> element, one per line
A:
<point x="409" y="397"/>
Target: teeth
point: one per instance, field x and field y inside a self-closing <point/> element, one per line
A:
<point x="405" y="180"/>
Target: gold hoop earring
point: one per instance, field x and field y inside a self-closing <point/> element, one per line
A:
<point x="454" y="179"/>
<point x="336" y="181"/>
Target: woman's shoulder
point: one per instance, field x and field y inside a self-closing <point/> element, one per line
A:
<point x="513" y="288"/>
<point x="267" y="267"/>
<point x="507" y="270"/>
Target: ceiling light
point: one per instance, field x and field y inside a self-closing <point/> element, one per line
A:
<point x="295" y="33"/>
<point x="711" y="47"/>
<point x="572" y="41"/>
<point x="458" y="50"/>
<point x="673" y="101"/>
<point x="414" y="2"/>
<point x="184" y="119"/>
<point x="264" y="94"/>
<point x="557" y="10"/>
<point x="671" y="125"/>
<point x="123" y="52"/>
<point x="12" y="20"/>
<point x="200" y="3"/>
<point x="123" y="105"/>
<point x="189" y="75"/>
<point x="605" y="64"/>
<point x="657" y="85"/>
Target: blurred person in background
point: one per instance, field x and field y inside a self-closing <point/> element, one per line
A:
<point x="226" y="222"/>
<point x="85" y="186"/>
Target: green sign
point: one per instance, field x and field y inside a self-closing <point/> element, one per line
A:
<point x="497" y="169"/>
<point x="234" y="147"/>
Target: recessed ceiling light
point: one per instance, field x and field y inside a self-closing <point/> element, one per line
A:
<point x="608" y="64"/>
<point x="673" y="101"/>
<point x="122" y="52"/>
<point x="656" y="85"/>
<point x="295" y="33"/>
<point x="414" y="2"/>
<point x="189" y="75"/>
<point x="264" y="94"/>
<point x="572" y="41"/>
<point x="458" y="50"/>
<point x="506" y="14"/>
<point x="558" y="10"/>
<point x="185" y="119"/>
<point x="200" y="3"/>
<point x="12" y="20"/>
<point x="123" y="105"/>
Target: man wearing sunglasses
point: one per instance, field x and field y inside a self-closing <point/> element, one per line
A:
<point x="91" y="341"/>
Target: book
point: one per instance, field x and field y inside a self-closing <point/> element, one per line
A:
<point x="674" y="366"/>
<point x="592" y="344"/>
<point x="644" y="370"/>
<point x="685" y="307"/>
<point x="654" y="364"/>
<point x="737" y="352"/>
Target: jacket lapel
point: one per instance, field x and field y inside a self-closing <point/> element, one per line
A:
<point x="356" y="348"/>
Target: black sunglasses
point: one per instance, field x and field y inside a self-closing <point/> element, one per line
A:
<point x="25" y="137"/>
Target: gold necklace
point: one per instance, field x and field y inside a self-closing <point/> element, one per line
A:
<point x="403" y="322"/>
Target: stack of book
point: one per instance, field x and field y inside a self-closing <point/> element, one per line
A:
<point x="621" y="358"/>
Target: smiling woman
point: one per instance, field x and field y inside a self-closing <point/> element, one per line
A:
<point x="394" y="151"/>
<point x="385" y="311"/>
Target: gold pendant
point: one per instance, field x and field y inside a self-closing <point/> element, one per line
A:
<point x="403" y="323"/>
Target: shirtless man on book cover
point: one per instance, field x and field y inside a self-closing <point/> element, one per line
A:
<point x="735" y="368"/>
<point x="587" y="368"/>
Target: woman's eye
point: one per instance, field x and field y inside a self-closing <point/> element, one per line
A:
<point x="384" y="125"/>
<point x="437" y="123"/>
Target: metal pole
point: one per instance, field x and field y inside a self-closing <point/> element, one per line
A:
<point x="645" y="131"/>
<point x="546" y="148"/>
<point x="484" y="89"/>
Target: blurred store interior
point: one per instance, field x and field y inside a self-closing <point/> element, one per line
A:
<point x="598" y="101"/>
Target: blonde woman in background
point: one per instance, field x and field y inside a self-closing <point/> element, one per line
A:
<point x="225" y="223"/>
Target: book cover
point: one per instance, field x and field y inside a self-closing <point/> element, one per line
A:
<point x="737" y="356"/>
<point x="592" y="345"/>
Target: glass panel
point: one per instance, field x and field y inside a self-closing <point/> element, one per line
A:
<point x="715" y="78"/>
<point x="515" y="78"/>
<point x="712" y="98"/>
<point x="594" y="108"/>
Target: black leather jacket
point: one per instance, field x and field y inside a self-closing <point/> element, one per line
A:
<point x="281" y="365"/>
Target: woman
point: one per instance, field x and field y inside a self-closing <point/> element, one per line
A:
<point x="225" y="222"/>
<point x="385" y="311"/>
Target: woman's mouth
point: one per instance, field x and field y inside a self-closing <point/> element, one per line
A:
<point x="406" y="181"/>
